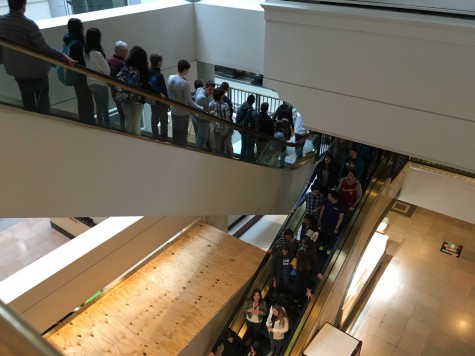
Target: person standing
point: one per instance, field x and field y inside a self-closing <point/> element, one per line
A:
<point x="281" y="269"/>
<point x="115" y="62"/>
<point x="300" y="132"/>
<point x="225" y="87"/>
<point x="327" y="173"/>
<point x="222" y="133"/>
<point x="354" y="162"/>
<point x="179" y="90"/>
<point x="96" y="60"/>
<point x="277" y="326"/>
<point x="159" y="110"/>
<point x="31" y="74"/>
<point x="232" y="344"/>
<point x="330" y="220"/>
<point x="350" y="191"/>
<point x="134" y="72"/>
<point x="202" y="98"/>
<point x="313" y="201"/>
<point x="75" y="39"/>
<point x="255" y="308"/>
<point x="265" y="126"/>
<point x="246" y="117"/>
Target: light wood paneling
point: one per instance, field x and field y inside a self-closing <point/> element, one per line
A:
<point x="162" y="306"/>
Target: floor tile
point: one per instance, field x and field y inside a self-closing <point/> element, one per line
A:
<point x="425" y="298"/>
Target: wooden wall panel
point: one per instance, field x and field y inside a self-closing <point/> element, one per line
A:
<point x="161" y="307"/>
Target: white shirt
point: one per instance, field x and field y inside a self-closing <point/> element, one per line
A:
<point x="96" y="61"/>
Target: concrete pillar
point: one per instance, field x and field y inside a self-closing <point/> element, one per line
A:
<point x="205" y="71"/>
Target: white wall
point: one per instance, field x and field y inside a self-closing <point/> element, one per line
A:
<point x="55" y="168"/>
<point x="402" y="82"/>
<point x="35" y="9"/>
<point x="165" y="27"/>
<point x="399" y="81"/>
<point x="440" y="191"/>
<point x="230" y="34"/>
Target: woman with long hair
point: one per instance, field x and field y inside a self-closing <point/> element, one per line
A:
<point x="277" y="326"/>
<point x="75" y="40"/>
<point x="95" y="59"/>
<point x="303" y="280"/>
<point x="327" y="173"/>
<point x="134" y="72"/>
<point x="255" y="309"/>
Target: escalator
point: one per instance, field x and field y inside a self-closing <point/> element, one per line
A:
<point x="59" y="166"/>
<point x="326" y="302"/>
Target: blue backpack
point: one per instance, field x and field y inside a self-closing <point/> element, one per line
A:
<point x="66" y="76"/>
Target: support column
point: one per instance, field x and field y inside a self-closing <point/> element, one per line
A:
<point x="205" y="71"/>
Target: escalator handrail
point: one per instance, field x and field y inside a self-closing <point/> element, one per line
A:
<point x="319" y="298"/>
<point x="147" y="93"/>
<point x="251" y="284"/>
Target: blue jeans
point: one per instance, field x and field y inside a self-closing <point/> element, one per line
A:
<point x="247" y="147"/>
<point x="202" y="137"/>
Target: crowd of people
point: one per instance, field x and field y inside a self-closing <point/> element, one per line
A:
<point x="134" y="67"/>
<point x="298" y="259"/>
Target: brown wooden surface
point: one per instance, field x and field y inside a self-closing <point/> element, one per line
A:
<point x="160" y="308"/>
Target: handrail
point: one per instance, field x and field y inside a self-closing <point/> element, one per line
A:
<point x="18" y="338"/>
<point x="314" y="306"/>
<point x="149" y="94"/>
<point x="261" y="270"/>
<point x="262" y="280"/>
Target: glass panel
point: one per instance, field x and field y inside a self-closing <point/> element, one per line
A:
<point x="90" y="95"/>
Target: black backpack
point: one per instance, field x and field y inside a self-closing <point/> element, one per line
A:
<point x="245" y="118"/>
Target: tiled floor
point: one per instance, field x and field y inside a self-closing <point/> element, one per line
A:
<point x="23" y="241"/>
<point x="424" y="302"/>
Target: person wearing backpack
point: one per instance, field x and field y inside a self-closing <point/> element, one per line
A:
<point x="159" y="110"/>
<point x="74" y="43"/>
<point x="246" y="117"/>
<point x="134" y="72"/>
<point x="265" y="126"/>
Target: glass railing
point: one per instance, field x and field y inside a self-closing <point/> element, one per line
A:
<point x="98" y="99"/>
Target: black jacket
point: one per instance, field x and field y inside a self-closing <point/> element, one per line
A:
<point x="76" y="52"/>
